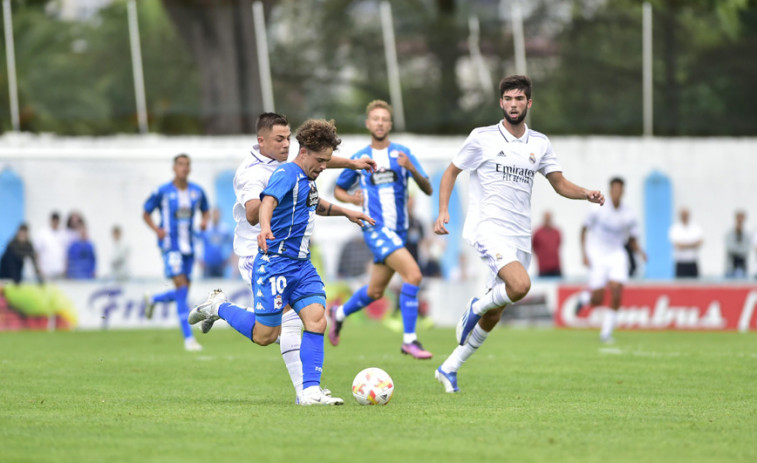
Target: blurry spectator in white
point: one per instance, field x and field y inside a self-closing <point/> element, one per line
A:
<point x="51" y="247"/>
<point x="16" y="252"/>
<point x="687" y="239"/>
<point x="738" y="243"/>
<point x="119" y="259"/>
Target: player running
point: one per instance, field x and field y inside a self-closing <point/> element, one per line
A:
<point x="177" y="201"/>
<point x="503" y="160"/>
<point x="383" y="195"/>
<point x="283" y="274"/>
<point x="603" y="238"/>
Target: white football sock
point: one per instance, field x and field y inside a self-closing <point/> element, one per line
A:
<point x="495" y="298"/>
<point x="608" y="323"/>
<point x="407" y="338"/>
<point x="290" y="340"/>
<point x="463" y="353"/>
<point x="584" y="297"/>
<point x="339" y="315"/>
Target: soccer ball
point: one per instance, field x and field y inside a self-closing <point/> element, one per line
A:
<point x="373" y="386"/>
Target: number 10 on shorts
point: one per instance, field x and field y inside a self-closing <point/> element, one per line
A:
<point x="277" y="287"/>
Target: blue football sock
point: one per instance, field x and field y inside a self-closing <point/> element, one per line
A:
<point x="182" y="310"/>
<point x="409" y="306"/>
<point x="168" y="296"/>
<point x="311" y="356"/>
<point x="239" y="318"/>
<point x="358" y="300"/>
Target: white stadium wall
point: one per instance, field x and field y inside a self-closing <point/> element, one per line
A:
<point x="108" y="179"/>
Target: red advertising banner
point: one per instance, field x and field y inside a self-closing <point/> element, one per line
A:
<point x="667" y="307"/>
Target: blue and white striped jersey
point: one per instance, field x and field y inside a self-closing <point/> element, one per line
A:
<point x="177" y="208"/>
<point x="294" y="217"/>
<point x="385" y="191"/>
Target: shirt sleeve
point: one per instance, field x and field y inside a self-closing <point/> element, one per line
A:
<point x="469" y="157"/>
<point x="549" y="162"/>
<point x="347" y="179"/>
<point x="634" y="230"/>
<point x="250" y="184"/>
<point x="591" y="217"/>
<point x="280" y="184"/>
<point x="153" y="201"/>
<point x="203" y="201"/>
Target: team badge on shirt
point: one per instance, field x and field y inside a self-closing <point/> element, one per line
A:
<point x="532" y="158"/>
<point x="278" y="302"/>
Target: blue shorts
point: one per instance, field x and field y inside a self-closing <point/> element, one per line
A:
<point x="278" y="281"/>
<point x="175" y="263"/>
<point x="383" y="241"/>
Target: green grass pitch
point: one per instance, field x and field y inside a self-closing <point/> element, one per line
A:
<point x="527" y="395"/>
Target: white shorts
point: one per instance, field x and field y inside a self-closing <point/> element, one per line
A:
<point x="607" y="266"/>
<point x="246" y="266"/>
<point x="498" y="252"/>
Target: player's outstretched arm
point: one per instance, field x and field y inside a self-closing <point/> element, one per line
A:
<point x="343" y="195"/>
<point x="423" y="182"/>
<point x="267" y="206"/>
<point x="337" y="162"/>
<point x="325" y="208"/>
<point x="570" y="190"/>
<point x="445" y="191"/>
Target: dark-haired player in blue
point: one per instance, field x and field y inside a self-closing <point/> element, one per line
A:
<point x="283" y="274"/>
<point x="177" y="201"/>
<point x="383" y="194"/>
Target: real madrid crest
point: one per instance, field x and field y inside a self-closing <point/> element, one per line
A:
<point x="532" y="158"/>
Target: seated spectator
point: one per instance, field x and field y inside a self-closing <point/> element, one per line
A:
<point x="738" y="243"/>
<point x="16" y="252"/>
<point x="81" y="257"/>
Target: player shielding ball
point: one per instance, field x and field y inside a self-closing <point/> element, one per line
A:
<point x="177" y="201"/>
<point x="282" y="274"/>
<point x="603" y="238"/>
<point x="502" y="160"/>
<point x="384" y="194"/>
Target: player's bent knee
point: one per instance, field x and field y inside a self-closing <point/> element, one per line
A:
<point x="264" y="339"/>
<point x="316" y="326"/>
<point x="518" y="290"/>
<point x="414" y="278"/>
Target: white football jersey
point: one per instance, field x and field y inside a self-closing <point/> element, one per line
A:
<point x="502" y="169"/>
<point x="610" y="228"/>
<point x="250" y="180"/>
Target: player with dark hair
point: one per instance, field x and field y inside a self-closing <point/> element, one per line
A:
<point x="503" y="160"/>
<point x="282" y="278"/>
<point x="604" y="235"/>
<point x="177" y="201"/>
<point x="384" y="195"/>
